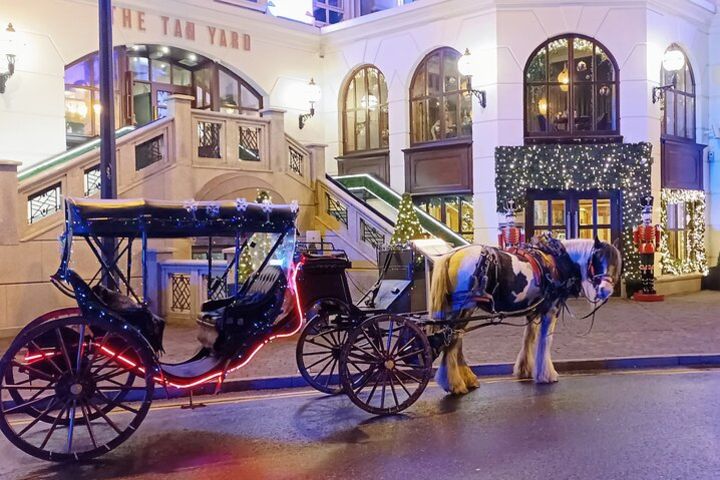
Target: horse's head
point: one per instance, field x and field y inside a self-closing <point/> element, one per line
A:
<point x="603" y="271"/>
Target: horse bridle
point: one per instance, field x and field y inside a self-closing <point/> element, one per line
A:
<point x="597" y="278"/>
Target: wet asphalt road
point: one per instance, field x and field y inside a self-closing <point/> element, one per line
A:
<point x="642" y="425"/>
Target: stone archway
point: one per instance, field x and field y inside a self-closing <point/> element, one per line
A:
<point x="230" y="186"/>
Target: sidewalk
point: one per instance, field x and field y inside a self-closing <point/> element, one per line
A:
<point x="681" y="325"/>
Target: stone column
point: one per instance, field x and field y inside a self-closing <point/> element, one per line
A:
<point x="155" y="291"/>
<point x="278" y="143"/>
<point x="179" y="109"/>
<point x="9" y="234"/>
<point x="317" y="160"/>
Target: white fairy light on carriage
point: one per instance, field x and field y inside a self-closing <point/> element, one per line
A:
<point x="241" y="204"/>
<point x="213" y="209"/>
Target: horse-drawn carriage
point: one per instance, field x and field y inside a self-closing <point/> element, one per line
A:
<point x="77" y="382"/>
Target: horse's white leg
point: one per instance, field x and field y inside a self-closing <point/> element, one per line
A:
<point x="470" y="379"/>
<point x="544" y="368"/>
<point x="448" y="375"/>
<point x="525" y="363"/>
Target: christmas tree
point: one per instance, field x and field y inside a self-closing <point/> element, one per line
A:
<point x="407" y="226"/>
<point x="245" y="265"/>
<point x="263" y="241"/>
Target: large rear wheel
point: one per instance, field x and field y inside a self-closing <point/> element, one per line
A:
<point x="386" y="364"/>
<point x="73" y="389"/>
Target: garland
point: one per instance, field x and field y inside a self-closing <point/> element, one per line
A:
<point x="617" y="166"/>
<point x="695" y="258"/>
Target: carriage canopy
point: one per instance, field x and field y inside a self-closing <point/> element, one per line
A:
<point x="171" y="219"/>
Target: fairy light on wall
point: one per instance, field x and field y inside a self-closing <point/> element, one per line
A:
<point x="624" y="167"/>
<point x="695" y="260"/>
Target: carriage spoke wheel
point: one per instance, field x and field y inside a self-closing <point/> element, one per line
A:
<point x="318" y="351"/>
<point x="385" y="364"/>
<point x="72" y="389"/>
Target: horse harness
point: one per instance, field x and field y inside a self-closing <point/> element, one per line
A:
<point x="554" y="271"/>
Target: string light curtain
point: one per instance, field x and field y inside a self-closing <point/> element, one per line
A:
<point x="694" y="259"/>
<point x="624" y="167"/>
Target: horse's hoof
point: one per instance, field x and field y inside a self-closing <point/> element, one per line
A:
<point x="459" y="390"/>
<point x="471" y="380"/>
<point x="523" y="371"/>
<point x="550" y="377"/>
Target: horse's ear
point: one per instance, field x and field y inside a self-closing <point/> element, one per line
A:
<point x="598" y="243"/>
<point x="616" y="243"/>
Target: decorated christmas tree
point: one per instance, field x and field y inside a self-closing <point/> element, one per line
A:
<point x="263" y="241"/>
<point x="245" y="265"/>
<point x="407" y="226"/>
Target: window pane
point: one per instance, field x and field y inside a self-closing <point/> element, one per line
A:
<point x="604" y="211"/>
<point x="79" y="74"/>
<point x="586" y="212"/>
<point x="604" y="234"/>
<point x="604" y="69"/>
<point x="335" y="17"/>
<point x="350" y="95"/>
<point x="558" y="108"/>
<point x="681" y="216"/>
<point x="228" y="91"/>
<point x="558" y="60"/>
<point x="669" y="105"/>
<point x="419" y="87"/>
<point x="537" y="69"/>
<point x="680" y="76"/>
<point x="537" y="109"/>
<point x="203" y="87"/>
<point x="142" y="103"/>
<point x="583" y="109"/>
<point x="672" y="216"/>
<point x="680" y="117"/>
<point x="605" y="115"/>
<point x="361" y="129"/>
<point x="160" y="71"/>
<point x="690" y="117"/>
<point x="466" y="114"/>
<point x="350" y="132"/>
<point x="583" y="56"/>
<point x="374" y="124"/>
<point x="181" y="76"/>
<point x="451" y="116"/>
<point x="541" y="215"/>
<point x="433" y="119"/>
<point x="78" y="103"/>
<point x="248" y="99"/>
<point x="420" y="121"/>
<point x="450" y="72"/>
<point x="586" y="233"/>
<point x="558" y="213"/>
<point x="139" y="66"/>
<point x="433" y="73"/>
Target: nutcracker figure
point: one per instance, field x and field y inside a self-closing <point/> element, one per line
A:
<point x="510" y="235"/>
<point x="646" y="239"/>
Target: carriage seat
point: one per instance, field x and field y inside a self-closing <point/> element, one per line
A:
<point x="260" y="298"/>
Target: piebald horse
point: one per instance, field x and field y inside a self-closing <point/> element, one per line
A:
<point x="515" y="289"/>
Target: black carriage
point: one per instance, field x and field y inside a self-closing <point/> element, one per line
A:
<point x="67" y="374"/>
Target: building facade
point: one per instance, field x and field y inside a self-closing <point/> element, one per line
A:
<point x="454" y="101"/>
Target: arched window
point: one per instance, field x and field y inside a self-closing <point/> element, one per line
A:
<point x="571" y="90"/>
<point x="440" y="105"/>
<point x="365" y="111"/>
<point x="679" y="103"/>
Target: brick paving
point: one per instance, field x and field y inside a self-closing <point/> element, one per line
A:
<point x="685" y="324"/>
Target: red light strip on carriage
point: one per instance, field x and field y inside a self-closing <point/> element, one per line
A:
<point x="208" y="378"/>
<point x="38" y="356"/>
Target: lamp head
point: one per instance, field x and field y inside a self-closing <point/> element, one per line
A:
<point x="465" y="64"/>
<point x="314" y="93"/>
<point x="673" y="60"/>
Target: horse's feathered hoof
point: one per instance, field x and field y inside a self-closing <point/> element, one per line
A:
<point x="471" y="380"/>
<point x="547" y="377"/>
<point x="523" y="370"/>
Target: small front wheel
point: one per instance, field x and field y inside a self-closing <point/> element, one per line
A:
<point x="386" y="364"/>
<point x="319" y="346"/>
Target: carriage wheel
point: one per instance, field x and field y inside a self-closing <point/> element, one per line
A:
<point x="79" y="388"/>
<point x="319" y="346"/>
<point x="385" y="364"/>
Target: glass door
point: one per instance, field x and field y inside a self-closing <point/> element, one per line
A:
<point x="572" y="214"/>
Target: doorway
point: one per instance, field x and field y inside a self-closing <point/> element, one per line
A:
<point x="575" y="214"/>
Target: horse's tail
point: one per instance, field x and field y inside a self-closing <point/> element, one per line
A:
<point x="439" y="284"/>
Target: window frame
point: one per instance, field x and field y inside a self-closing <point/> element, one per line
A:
<point x="324" y="5"/>
<point x="571" y="135"/>
<point x="422" y="67"/>
<point x="674" y="92"/>
<point x="676" y="231"/>
<point x="446" y="199"/>
<point x="383" y="117"/>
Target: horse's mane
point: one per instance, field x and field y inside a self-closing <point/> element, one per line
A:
<point x="579" y="250"/>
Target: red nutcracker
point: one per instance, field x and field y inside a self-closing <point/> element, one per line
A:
<point x="646" y="238"/>
<point x="510" y="235"/>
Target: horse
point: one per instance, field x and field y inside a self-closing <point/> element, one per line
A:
<point x="533" y="282"/>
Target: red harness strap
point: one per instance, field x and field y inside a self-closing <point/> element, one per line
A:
<point x="539" y="262"/>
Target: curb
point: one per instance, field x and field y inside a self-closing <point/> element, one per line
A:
<point x="482" y="370"/>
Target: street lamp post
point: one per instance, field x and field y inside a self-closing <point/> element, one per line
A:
<point x="108" y="172"/>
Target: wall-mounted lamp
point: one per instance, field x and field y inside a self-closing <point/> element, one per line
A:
<point x="9" y="50"/>
<point x="673" y="61"/>
<point x="313" y="96"/>
<point x="466" y="67"/>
